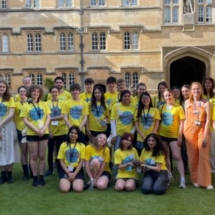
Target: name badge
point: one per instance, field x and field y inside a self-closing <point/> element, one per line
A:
<point x="55" y="123"/>
<point x="70" y="168"/>
<point x="169" y="107"/>
<point x="197" y="122"/>
<point x="40" y="124"/>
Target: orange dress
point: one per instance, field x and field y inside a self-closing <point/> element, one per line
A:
<point x="198" y="157"/>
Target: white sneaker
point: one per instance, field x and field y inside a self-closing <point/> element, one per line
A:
<point x="182" y="185"/>
<point x="195" y="185"/>
<point x="210" y="187"/>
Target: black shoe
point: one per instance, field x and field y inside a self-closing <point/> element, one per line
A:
<point x="41" y="181"/>
<point x="3" y="178"/>
<point x="25" y="173"/>
<point x="35" y="182"/>
<point x="49" y="172"/>
<point x="25" y="177"/>
<point x="9" y="178"/>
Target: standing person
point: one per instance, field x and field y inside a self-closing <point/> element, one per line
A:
<point x="62" y="93"/>
<point x="21" y="130"/>
<point x="71" y="156"/>
<point x="208" y="86"/>
<point x="75" y="111"/>
<point x="36" y="116"/>
<point x="89" y="84"/>
<point x="171" y="130"/>
<point x="125" y="158"/>
<point x="57" y="128"/>
<point x="8" y="143"/>
<point x="196" y="132"/>
<point x="159" y="100"/>
<point x="27" y="83"/>
<point x="97" y="158"/>
<point x="185" y="92"/>
<point x="141" y="87"/>
<point x="212" y="132"/>
<point x="147" y="120"/>
<point x="98" y="114"/>
<point x="177" y="94"/>
<point x="155" y="179"/>
<point x="122" y="118"/>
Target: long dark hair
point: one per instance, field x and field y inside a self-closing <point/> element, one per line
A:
<point x="181" y="99"/>
<point x="165" y="85"/>
<point x="212" y="87"/>
<point x="125" y="137"/>
<point x="68" y="138"/>
<point x="159" y="148"/>
<point x="141" y="105"/>
<point x="6" y="96"/>
<point x="93" y="99"/>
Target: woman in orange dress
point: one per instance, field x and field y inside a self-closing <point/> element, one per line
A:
<point x="196" y="132"/>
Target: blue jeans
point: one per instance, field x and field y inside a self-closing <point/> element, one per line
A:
<point x="155" y="182"/>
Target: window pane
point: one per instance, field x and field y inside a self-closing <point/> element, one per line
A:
<point x="36" y="3"/>
<point x="70" y="42"/>
<point x="133" y="2"/>
<point x="101" y="2"/>
<point x="102" y="41"/>
<point x="32" y="78"/>
<point x="209" y="14"/>
<point x="30" y="42"/>
<point x="135" y="79"/>
<point x="175" y="15"/>
<point x="93" y="3"/>
<point x="60" y="3"/>
<point x="71" y="79"/>
<point x="68" y="3"/>
<point x="175" y="1"/>
<point x="4" y="4"/>
<point x="37" y="42"/>
<point x="65" y="79"/>
<point x="94" y="41"/>
<point x="167" y="2"/>
<point x="201" y="14"/>
<point x="127" y="79"/>
<point x="7" y="79"/>
<point x="167" y="15"/>
<point x="62" y="42"/>
<point x="125" y="2"/>
<point x="201" y="1"/>
<point x="5" y="43"/>
<point x="135" y="40"/>
<point x="209" y="1"/>
<point x="39" y="79"/>
<point x="28" y="3"/>
<point x="126" y="40"/>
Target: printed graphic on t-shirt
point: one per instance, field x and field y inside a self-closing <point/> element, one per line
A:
<point x="108" y="101"/>
<point x="36" y="114"/>
<point x="101" y="159"/>
<point x="98" y="111"/>
<point x="72" y="155"/>
<point x="3" y="109"/>
<point x="167" y="118"/>
<point x="128" y="159"/>
<point x="126" y="117"/>
<point x="147" y="121"/>
<point x="76" y="112"/>
<point x="55" y="111"/>
<point x="150" y="162"/>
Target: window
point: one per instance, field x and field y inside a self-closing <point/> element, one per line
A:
<point x="32" y="78"/>
<point x="131" y="40"/>
<point x="131" y="79"/>
<point x="39" y="79"/>
<point x="98" y="41"/>
<point x="69" y="78"/>
<point x="7" y="79"/>
<point x="4" y="43"/>
<point x="66" y="42"/>
<point x="205" y="11"/>
<point x="3" y="4"/>
<point x="94" y="3"/>
<point x="34" y="42"/>
<point x="64" y="3"/>
<point x="171" y="11"/>
<point x="32" y="4"/>
<point x="129" y="2"/>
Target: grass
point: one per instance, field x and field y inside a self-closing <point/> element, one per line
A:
<point x="21" y="198"/>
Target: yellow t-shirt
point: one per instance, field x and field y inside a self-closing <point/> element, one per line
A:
<point x="72" y="154"/>
<point x="170" y="120"/>
<point x="76" y="110"/>
<point x="156" y="102"/>
<point x="58" y="127"/>
<point x="64" y="96"/>
<point x="108" y="98"/>
<point x="103" y="155"/>
<point x="5" y="106"/>
<point x="123" y="157"/>
<point x="86" y="96"/>
<point x="212" y="103"/>
<point x="97" y="118"/>
<point x="36" y="116"/>
<point x="17" y="98"/>
<point x="124" y="117"/>
<point x="146" y="157"/>
<point x="115" y="100"/>
<point x="18" y="120"/>
<point x="146" y="121"/>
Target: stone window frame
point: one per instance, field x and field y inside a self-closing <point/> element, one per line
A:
<point x="32" y="3"/>
<point x="66" y="41"/>
<point x="4" y="45"/>
<point x="171" y="10"/>
<point x="36" y="78"/>
<point x="98" y="40"/>
<point x="4" y="4"/>
<point x="131" y="77"/>
<point x="131" y="40"/>
<point x="69" y="78"/>
<point x="126" y="3"/>
<point x="204" y="11"/>
<point x="97" y="3"/>
<point x="6" y="77"/>
<point x="34" y="42"/>
<point x="64" y="3"/>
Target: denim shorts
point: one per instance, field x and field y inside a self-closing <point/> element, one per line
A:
<point x="63" y="174"/>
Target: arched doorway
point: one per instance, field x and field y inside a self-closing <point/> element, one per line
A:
<point x="186" y="70"/>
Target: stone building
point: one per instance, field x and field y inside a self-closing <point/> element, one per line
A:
<point x="139" y="40"/>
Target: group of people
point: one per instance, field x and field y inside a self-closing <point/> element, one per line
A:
<point x="95" y="135"/>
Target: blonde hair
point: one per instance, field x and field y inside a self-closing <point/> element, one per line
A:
<point x="95" y="142"/>
<point x="191" y="86"/>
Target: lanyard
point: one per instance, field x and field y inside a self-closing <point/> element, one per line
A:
<point x="146" y="115"/>
<point x="55" y="109"/>
<point x="98" y="110"/>
<point x="71" y="153"/>
<point x="37" y="110"/>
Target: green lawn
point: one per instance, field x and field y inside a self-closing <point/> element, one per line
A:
<point x="21" y="198"/>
